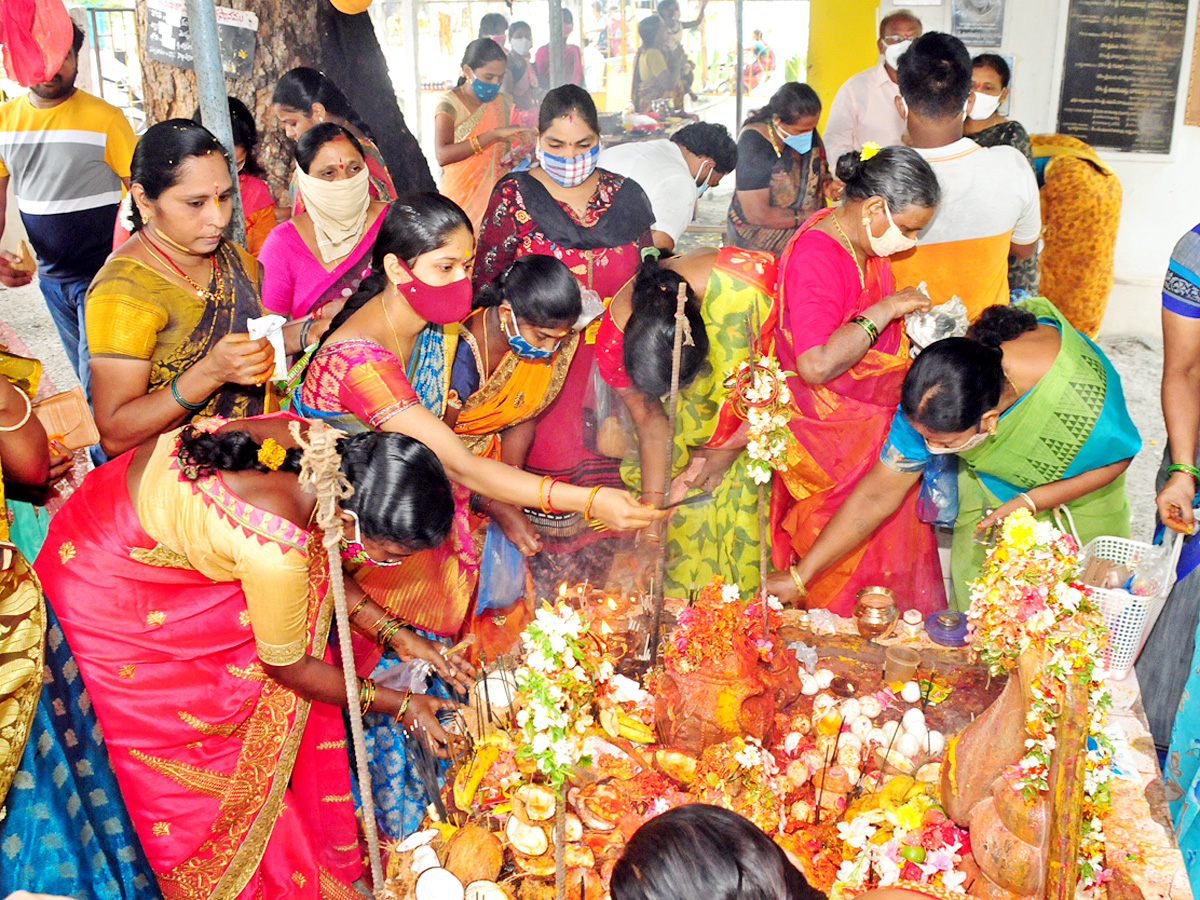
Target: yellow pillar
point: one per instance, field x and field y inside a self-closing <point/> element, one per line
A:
<point x="841" y="41"/>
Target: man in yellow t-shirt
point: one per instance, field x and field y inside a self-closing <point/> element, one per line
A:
<point x="68" y="155"/>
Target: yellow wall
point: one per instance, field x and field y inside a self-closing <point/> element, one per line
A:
<point x="841" y="41"/>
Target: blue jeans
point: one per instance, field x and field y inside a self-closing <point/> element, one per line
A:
<point x="64" y="299"/>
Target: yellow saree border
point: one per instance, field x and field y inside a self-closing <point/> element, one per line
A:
<point x="222" y="866"/>
<point x="22" y="657"/>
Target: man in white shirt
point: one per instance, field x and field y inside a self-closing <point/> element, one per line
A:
<point x="864" y="108"/>
<point x="990" y="203"/>
<point x="674" y="173"/>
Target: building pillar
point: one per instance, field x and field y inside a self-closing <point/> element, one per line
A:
<point x="841" y="41"/>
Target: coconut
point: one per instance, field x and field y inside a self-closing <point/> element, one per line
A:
<point x="439" y="884"/>
<point x="930" y="773"/>
<point x="573" y="830"/>
<point x="424" y="857"/>
<point x="485" y="890"/>
<point x="474" y="854"/>
<point x="529" y="840"/>
<point x="539" y="802"/>
<point x="535" y="865"/>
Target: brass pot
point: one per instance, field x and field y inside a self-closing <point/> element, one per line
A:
<point x="874" y="611"/>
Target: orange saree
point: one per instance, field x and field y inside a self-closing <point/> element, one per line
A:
<point x="840" y="426"/>
<point x="469" y="182"/>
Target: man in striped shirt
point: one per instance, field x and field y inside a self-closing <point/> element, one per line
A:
<point x="68" y="154"/>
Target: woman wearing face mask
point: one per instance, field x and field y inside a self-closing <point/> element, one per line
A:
<point x="304" y="97"/>
<point x="313" y="262"/>
<point x="1037" y="417"/>
<point x="386" y="364"/>
<point x="839" y="324"/>
<point x="520" y="342"/>
<point x="596" y="222"/>
<point x="472" y="130"/>
<point x="166" y="315"/>
<point x="726" y="288"/>
<point x="986" y="127"/>
<point x="520" y="81"/>
<point x="782" y="172"/>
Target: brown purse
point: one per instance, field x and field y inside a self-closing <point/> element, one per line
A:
<point x="68" y="419"/>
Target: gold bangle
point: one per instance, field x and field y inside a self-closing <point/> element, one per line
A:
<point x="403" y="707"/>
<point x="798" y="581"/>
<point x="1032" y="506"/>
<point x="366" y="693"/>
<point x="587" y="507"/>
<point x="385" y="634"/>
<point x="476" y="147"/>
<point x="358" y="607"/>
<point x="542" y="502"/>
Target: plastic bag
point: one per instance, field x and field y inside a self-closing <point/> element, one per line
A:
<point x="607" y="426"/>
<point x="37" y="36"/>
<point x="937" y="502"/>
<point x="501" y="571"/>
<point x="947" y="320"/>
<point x="1152" y="573"/>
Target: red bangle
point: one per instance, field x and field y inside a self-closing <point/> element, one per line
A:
<point x="549" y="491"/>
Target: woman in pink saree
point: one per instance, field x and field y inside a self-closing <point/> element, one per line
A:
<point x="194" y="592"/>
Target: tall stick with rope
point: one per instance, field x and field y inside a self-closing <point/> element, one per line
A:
<point x="320" y="472"/>
<point x="681" y="327"/>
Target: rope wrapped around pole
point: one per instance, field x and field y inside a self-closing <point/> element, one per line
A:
<point x="321" y="473"/>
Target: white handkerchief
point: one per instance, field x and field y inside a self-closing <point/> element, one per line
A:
<point x="271" y="328"/>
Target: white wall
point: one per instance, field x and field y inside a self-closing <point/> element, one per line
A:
<point x="1161" y="193"/>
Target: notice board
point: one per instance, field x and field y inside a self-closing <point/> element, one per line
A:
<point x="168" y="39"/>
<point x="1121" y="72"/>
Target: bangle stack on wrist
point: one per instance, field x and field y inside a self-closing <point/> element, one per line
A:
<point x="1184" y="467"/>
<point x="366" y="693"/>
<point x="389" y="627"/>
<point x="587" y="507"/>
<point x="358" y="607"/>
<point x="868" y="326"/>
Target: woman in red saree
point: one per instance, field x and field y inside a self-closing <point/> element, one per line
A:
<point x="206" y="659"/>
<point x="597" y="223"/>
<point x="839" y="324"/>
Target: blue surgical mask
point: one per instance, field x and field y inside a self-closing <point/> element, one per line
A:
<point x="702" y="179"/>
<point x="522" y="347"/>
<point x="801" y="143"/>
<point x="485" y="91"/>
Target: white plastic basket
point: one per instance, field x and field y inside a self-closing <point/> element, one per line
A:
<point x="1129" y="619"/>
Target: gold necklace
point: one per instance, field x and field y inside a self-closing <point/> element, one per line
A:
<point x="862" y="282"/>
<point x="395" y="337"/>
<point x="160" y="256"/>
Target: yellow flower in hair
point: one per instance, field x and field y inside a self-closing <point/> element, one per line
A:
<point x="271" y="454"/>
<point x="870" y="148"/>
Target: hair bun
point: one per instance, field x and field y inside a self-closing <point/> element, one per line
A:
<point x="849" y="166"/>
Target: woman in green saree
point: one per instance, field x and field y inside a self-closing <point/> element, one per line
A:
<point x="1037" y="417"/>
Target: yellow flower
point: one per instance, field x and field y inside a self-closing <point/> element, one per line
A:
<point x="271" y="454"/>
<point x="870" y="148"/>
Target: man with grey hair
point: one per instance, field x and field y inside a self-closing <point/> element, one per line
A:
<point x="864" y="108"/>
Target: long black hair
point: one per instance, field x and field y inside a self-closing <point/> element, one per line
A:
<point x="301" y="87"/>
<point x="411" y="227"/>
<point x="318" y="136"/>
<point x="540" y="288"/>
<point x="899" y="175"/>
<point x="650" y="331"/>
<point x="160" y="154"/>
<point x="566" y="99"/>
<point x="699" y="850"/>
<point x="795" y="100"/>
<point x="401" y="492"/>
<point x="480" y="52"/>
<point x="245" y="133"/>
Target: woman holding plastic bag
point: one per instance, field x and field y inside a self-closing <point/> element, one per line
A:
<point x="839" y="324"/>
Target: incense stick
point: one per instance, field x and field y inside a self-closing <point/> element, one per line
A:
<point x="825" y="772"/>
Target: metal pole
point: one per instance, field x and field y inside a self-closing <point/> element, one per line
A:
<point x="214" y="103"/>
<point x="739" y="86"/>
<point x="558" y="45"/>
<point x="412" y="45"/>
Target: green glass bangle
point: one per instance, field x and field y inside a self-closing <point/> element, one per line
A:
<point x="868" y="326"/>
<point x="1184" y="467"/>
<point x="189" y="406"/>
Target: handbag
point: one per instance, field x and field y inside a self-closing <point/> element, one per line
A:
<point x="68" y="419"/>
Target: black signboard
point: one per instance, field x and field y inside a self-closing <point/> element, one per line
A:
<point x="1121" y="72"/>
<point x="168" y="40"/>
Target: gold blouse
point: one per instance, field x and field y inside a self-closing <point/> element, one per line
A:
<point x="206" y="526"/>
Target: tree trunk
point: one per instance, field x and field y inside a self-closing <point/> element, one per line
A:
<point x="299" y="33"/>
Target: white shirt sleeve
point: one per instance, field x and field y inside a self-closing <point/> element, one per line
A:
<point x="840" y="128"/>
<point x="1029" y="224"/>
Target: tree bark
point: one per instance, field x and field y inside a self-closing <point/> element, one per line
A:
<point x="299" y="33"/>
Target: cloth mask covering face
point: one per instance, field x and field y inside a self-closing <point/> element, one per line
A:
<point x="985" y="105"/>
<point x="517" y="341"/>
<point x="801" y="143"/>
<point x="569" y="171"/>
<point x="485" y="91"/>
<point x="338" y="210"/>
<point x="891" y="241"/>
<point x="893" y="52"/>
<point x="354" y="551"/>
<point x="968" y="444"/>
<point x="440" y="304"/>
<point x="521" y="46"/>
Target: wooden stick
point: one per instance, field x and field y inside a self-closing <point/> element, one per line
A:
<point x="560" y="846"/>
<point x="672" y="412"/>
<point x="763" y="525"/>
